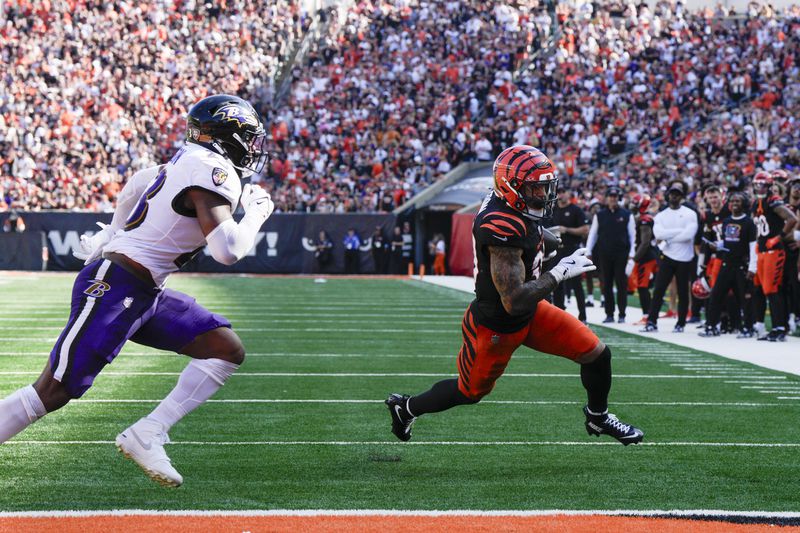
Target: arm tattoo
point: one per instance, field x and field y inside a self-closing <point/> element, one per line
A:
<point x="508" y="275"/>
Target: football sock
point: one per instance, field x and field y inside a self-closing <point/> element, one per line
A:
<point x="199" y="380"/>
<point x="596" y="379"/>
<point x="18" y="411"/>
<point x="442" y="396"/>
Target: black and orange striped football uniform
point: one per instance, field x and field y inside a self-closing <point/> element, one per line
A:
<point x="770" y="249"/>
<point x="490" y="333"/>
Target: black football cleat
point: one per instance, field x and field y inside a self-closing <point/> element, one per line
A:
<point x="776" y="335"/>
<point x="609" y="424"/>
<point x="401" y="418"/>
<point x="711" y="331"/>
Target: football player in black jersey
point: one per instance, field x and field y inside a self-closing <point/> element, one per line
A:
<point x="645" y="257"/>
<point x="708" y="261"/>
<point x="509" y="309"/>
<point x="775" y="224"/>
<point x="792" y="274"/>
<point x="736" y="250"/>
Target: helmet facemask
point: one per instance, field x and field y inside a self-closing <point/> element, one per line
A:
<point x="539" y="197"/>
<point x="248" y="153"/>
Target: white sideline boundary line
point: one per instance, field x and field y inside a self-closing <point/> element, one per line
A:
<point x="401" y="512"/>
<point x="718" y="375"/>
<point x="424" y="443"/>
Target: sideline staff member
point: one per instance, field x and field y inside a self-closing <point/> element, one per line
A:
<point x="614" y="231"/>
<point x="675" y="227"/>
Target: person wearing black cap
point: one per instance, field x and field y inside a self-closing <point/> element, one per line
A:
<point x="613" y="232"/>
<point x="675" y="228"/>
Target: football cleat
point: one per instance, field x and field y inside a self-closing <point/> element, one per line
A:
<point x="649" y="328"/>
<point x="621" y="319"/>
<point x="402" y="420"/>
<point x="776" y="335"/>
<point x="608" y="320"/>
<point x="677" y="329"/>
<point x="746" y="333"/>
<point x="608" y="424"/>
<point x="143" y="443"/>
<point x="710" y="331"/>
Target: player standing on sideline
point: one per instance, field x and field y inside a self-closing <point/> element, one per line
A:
<point x="164" y="216"/>
<point x="736" y="251"/>
<point x="775" y="224"/>
<point x="645" y="263"/>
<point x="793" y="266"/>
<point x="708" y="260"/>
<point x="572" y="225"/>
<point x="509" y="309"/>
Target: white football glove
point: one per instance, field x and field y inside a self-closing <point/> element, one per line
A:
<point x="573" y="265"/>
<point x="91" y="246"/>
<point x="256" y="200"/>
<point x="629" y="267"/>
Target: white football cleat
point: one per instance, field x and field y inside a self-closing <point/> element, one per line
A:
<point x="143" y="442"/>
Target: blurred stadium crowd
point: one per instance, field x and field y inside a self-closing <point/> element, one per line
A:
<point x="394" y="94"/>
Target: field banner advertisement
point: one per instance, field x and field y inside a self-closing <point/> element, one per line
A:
<point x="284" y="245"/>
<point x="22" y="251"/>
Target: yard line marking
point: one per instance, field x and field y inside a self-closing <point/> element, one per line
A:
<point x="428" y="443"/>
<point x="251" y="320"/>
<point x="366" y="326"/>
<point x="750" y="381"/>
<point x="789" y="397"/>
<point x="787" y="386"/>
<point x="365" y="329"/>
<point x="400" y="374"/>
<point x="396" y="512"/>
<point x="453" y="335"/>
<point x="493" y="402"/>
<point x="379" y="308"/>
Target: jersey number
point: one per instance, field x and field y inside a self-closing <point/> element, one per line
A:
<point x="137" y="216"/>
<point x="762" y="225"/>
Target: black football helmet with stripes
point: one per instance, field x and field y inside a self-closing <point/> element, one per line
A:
<point x="527" y="180"/>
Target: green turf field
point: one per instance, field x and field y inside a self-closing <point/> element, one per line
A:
<point x="303" y="426"/>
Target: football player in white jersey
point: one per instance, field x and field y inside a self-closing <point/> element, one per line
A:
<point x="164" y="216"/>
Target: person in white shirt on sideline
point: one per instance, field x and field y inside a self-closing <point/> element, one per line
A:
<point x="675" y="228"/>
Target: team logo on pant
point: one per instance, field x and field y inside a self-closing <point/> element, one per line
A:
<point x="97" y="288"/>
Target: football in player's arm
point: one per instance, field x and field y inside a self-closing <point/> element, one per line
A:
<point x="509" y="309"/>
<point x="164" y="216"/>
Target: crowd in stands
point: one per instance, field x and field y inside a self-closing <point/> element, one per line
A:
<point x="396" y="93"/>
<point x="93" y="91"/>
